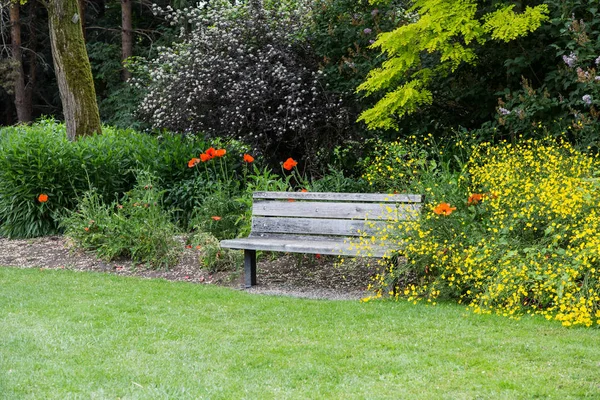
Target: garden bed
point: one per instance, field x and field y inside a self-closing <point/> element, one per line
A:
<point x="293" y="275"/>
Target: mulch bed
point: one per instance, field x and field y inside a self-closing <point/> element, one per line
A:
<point x="300" y="275"/>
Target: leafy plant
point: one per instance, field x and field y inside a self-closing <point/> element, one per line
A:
<point x="395" y="166"/>
<point x="336" y="181"/>
<point x="341" y="33"/>
<point x="212" y="256"/>
<point x="38" y="160"/>
<point x="220" y="215"/>
<point x="34" y="161"/>
<point x="136" y="227"/>
<point x="563" y="103"/>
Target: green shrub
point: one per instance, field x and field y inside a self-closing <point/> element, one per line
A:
<point x="137" y="227"/>
<point x="221" y="214"/>
<point x="395" y="166"/>
<point x="336" y="181"/>
<point x="38" y="159"/>
<point x="342" y="32"/>
<point x="35" y="161"/>
<point x="564" y="100"/>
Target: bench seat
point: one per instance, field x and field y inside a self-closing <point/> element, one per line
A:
<point x="324" y="245"/>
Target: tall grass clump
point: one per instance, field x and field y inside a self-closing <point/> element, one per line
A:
<point x="517" y="232"/>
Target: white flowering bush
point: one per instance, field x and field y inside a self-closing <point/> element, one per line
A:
<point x="243" y="71"/>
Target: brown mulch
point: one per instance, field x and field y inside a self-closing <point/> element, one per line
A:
<point x="300" y="275"/>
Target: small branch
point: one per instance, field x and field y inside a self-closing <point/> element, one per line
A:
<point x="137" y="31"/>
<point x="103" y="28"/>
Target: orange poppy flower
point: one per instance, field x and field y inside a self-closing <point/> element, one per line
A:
<point x="220" y="152"/>
<point x="443" y="209"/>
<point x="42" y="198"/>
<point x="211" y="152"/>
<point x="248" y="158"/>
<point x="216" y="218"/>
<point x="289" y="164"/>
<point x="474" y="199"/>
<point x="86" y="229"/>
<point x="304" y="190"/>
<point x="193" y="162"/>
<point x="205" y="157"/>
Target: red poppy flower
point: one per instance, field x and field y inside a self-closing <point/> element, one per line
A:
<point x="211" y="152"/>
<point x="42" y="198"/>
<point x="443" y="209"/>
<point x="192" y="162"/>
<point x="289" y="164"/>
<point x="248" y="158"/>
<point x="220" y="152"/>
<point x="205" y="157"/>
<point x="474" y="199"/>
<point x="216" y="218"/>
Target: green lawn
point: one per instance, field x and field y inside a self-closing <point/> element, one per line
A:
<point x="69" y="334"/>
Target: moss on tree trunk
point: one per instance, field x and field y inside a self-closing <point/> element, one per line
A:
<point x="73" y="71"/>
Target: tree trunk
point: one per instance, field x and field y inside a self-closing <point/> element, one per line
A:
<point x="73" y="71"/>
<point x="82" y="16"/>
<point x="126" y="36"/>
<point x="7" y="105"/>
<point x="23" y="111"/>
<point x="32" y="60"/>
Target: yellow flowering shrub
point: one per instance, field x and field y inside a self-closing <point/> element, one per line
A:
<point x="518" y="233"/>
<point x="394" y="166"/>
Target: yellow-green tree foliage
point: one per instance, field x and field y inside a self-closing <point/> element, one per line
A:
<point x="448" y="29"/>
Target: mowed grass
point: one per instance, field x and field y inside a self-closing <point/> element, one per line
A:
<point x="70" y="335"/>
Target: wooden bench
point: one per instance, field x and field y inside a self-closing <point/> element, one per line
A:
<point x="320" y="223"/>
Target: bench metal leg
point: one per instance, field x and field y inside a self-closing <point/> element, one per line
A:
<point x="250" y="267"/>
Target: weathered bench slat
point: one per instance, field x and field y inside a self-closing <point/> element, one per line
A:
<point x="361" y="211"/>
<point x="342" y="227"/>
<point x="293" y="245"/>
<point x="355" y="197"/>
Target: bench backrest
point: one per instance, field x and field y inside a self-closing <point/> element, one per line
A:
<point x="329" y="214"/>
